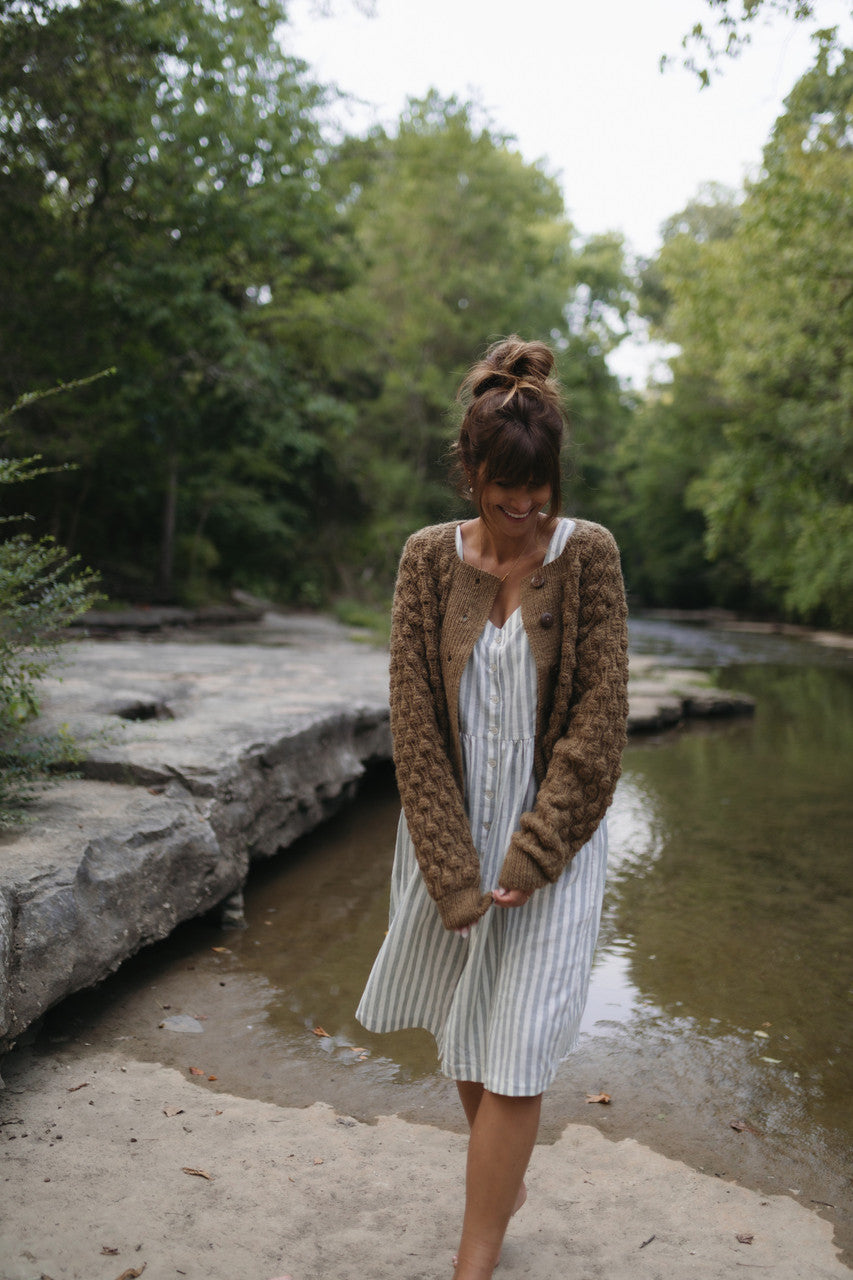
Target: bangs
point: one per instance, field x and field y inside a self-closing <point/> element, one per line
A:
<point x="517" y="457"/>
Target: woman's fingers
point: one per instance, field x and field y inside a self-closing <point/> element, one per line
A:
<point x="510" y="897"/>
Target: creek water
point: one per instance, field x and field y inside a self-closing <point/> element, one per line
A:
<point x="722" y="990"/>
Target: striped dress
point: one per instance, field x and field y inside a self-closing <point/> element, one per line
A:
<point x="505" y="1003"/>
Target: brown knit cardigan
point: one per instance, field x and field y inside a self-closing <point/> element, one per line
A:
<point x="574" y="613"/>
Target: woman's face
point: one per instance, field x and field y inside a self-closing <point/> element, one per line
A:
<point x="510" y="510"/>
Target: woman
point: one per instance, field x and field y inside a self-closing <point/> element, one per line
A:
<point x="508" y="711"/>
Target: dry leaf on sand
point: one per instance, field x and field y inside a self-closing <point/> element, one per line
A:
<point x="598" y="1097"/>
<point x="743" y="1126"/>
<point x="198" y="1173"/>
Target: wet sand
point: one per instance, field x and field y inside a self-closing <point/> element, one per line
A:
<point x="114" y="1168"/>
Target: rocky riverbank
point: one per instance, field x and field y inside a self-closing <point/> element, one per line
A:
<point x="202" y="753"/>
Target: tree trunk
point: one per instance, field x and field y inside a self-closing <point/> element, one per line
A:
<point x="167" y="542"/>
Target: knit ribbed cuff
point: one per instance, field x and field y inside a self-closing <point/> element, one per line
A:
<point x="519" y="871"/>
<point x="463" y="907"/>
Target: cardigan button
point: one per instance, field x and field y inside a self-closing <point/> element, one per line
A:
<point x="547" y="620"/>
<point x="538" y="580"/>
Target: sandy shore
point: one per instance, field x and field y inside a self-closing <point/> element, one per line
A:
<point x="114" y="1168"/>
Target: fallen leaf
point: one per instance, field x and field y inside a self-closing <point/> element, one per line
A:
<point x="213" y="1077"/>
<point x="598" y="1097"/>
<point x="362" y="1057"/>
<point x="742" y="1126"/>
<point x="105" y="1248"/>
<point x="763" y="1034"/>
<point x="227" y="950"/>
<point x="132" y="1272"/>
<point x="173" y="1111"/>
<point x="318" y="1031"/>
<point x="196" y="1071"/>
<point x="318" y="1160"/>
<point x="197" y="1173"/>
<point x="352" y="1049"/>
<point x="75" y="1087"/>
<point x="775" y="1061"/>
<point x="217" y="1113"/>
<point x="745" y="1238"/>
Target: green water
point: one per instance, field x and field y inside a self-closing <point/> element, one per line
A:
<point x="731" y="895"/>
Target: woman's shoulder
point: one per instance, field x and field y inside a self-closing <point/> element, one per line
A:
<point x="430" y="541"/>
<point x="590" y="540"/>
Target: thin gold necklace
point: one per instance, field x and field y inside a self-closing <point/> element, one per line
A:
<point x="524" y="551"/>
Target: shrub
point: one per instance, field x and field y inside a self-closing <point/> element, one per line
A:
<point x="42" y="590"/>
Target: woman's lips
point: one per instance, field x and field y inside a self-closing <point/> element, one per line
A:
<point x="518" y="518"/>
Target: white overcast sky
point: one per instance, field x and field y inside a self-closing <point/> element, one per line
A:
<point x="577" y="85"/>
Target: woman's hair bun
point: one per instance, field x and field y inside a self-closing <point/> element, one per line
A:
<point x="512" y="364"/>
<point x="513" y="418"/>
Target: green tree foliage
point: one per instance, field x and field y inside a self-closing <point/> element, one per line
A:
<point x="675" y="429"/>
<point x="731" y="27"/>
<point x="42" y="590"/>
<point x="780" y="491"/>
<point x="458" y="240"/>
<point x="758" y="417"/>
<point x="158" y="187"/>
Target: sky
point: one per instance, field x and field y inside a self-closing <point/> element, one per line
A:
<point x="577" y="85"/>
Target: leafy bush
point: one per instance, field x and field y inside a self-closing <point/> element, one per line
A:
<point x="42" y="590"/>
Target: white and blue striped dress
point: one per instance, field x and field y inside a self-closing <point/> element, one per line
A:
<point x="505" y="1003"/>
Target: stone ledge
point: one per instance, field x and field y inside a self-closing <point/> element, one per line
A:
<point x="198" y="758"/>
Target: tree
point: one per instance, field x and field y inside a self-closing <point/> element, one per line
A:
<point x="732" y="29"/>
<point x="159" y="186"/>
<point x="676" y="428"/>
<point x="762" y="384"/>
<point x="458" y="240"/>
<point x="781" y="488"/>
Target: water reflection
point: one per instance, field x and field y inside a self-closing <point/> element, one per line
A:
<point x="728" y="917"/>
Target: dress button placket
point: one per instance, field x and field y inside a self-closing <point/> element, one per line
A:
<point x="494" y="700"/>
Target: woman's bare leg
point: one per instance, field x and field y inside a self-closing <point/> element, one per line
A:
<point x="471" y="1095"/>
<point x="502" y="1137"/>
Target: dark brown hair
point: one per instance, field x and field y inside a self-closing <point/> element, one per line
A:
<point x="512" y="427"/>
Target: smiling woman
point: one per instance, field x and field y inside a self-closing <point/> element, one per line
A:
<point x="508" y="453"/>
<point x="508" y="709"/>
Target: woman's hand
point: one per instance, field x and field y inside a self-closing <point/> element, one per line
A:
<point x="501" y="898"/>
<point x="510" y="897"/>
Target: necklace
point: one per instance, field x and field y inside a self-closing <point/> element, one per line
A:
<point x="525" y="550"/>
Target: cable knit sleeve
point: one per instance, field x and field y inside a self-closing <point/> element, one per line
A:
<point x="431" y="798"/>
<point x="586" y="760"/>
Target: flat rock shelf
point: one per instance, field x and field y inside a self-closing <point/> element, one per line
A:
<point x="200" y="756"/>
